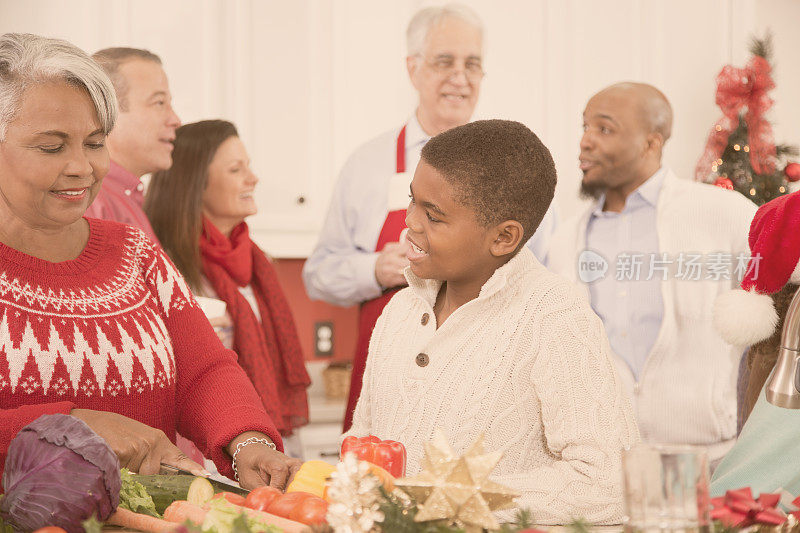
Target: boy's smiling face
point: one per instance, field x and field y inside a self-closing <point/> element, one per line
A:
<point x="448" y="242"/>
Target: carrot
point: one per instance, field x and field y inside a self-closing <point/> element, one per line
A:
<point x="180" y="511"/>
<point x="140" y="522"/>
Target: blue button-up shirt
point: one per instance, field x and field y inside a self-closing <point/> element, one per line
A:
<point x="628" y="298"/>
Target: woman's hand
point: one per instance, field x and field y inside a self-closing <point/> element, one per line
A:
<point x="258" y="464"/>
<point x="139" y="447"/>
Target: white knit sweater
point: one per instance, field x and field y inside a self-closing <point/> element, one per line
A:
<point x="686" y="393"/>
<point x="527" y="364"/>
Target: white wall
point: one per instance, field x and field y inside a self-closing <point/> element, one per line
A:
<point x="783" y="18"/>
<point x="306" y="81"/>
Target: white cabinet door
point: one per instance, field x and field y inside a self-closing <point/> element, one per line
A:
<point x="307" y="81"/>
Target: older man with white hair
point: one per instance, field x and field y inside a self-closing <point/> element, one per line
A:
<point x="360" y="256"/>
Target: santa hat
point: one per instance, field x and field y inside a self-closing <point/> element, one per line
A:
<point x="746" y="316"/>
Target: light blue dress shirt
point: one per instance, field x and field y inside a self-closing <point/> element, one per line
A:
<point x="628" y="298"/>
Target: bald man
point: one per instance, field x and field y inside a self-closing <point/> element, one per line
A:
<point x="652" y="252"/>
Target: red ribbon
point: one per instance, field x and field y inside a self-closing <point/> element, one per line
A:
<point x="738" y="509"/>
<point x="739" y="88"/>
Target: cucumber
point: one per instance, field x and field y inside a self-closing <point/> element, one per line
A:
<point x="200" y="491"/>
<point x="165" y="489"/>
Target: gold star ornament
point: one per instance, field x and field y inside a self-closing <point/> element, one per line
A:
<point x="457" y="489"/>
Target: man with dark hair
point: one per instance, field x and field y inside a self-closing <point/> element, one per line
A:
<point x="486" y="342"/>
<point x="141" y="141"/>
<point x="360" y="255"/>
<point x="653" y="251"/>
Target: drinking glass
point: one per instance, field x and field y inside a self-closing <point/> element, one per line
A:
<point x="665" y="489"/>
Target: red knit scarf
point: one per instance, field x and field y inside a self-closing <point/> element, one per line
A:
<point x="269" y="351"/>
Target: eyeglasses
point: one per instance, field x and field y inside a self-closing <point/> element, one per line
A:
<point x="446" y="66"/>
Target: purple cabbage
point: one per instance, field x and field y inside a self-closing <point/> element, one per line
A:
<point x="58" y="472"/>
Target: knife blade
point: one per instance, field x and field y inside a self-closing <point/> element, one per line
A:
<point x="219" y="486"/>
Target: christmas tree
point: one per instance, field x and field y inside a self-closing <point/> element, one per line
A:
<point x="741" y="153"/>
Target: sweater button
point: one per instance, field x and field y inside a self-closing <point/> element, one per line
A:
<point x="422" y="359"/>
<point x="425" y="318"/>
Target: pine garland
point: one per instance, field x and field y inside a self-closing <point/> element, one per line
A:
<point x="399" y="511"/>
<point x="762" y="47"/>
<point x="523" y="520"/>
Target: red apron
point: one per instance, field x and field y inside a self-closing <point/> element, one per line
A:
<point x="394" y="224"/>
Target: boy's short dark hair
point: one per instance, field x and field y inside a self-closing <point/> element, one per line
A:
<point x="500" y="168"/>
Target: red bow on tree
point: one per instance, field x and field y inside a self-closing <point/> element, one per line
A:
<point x="739" y="88"/>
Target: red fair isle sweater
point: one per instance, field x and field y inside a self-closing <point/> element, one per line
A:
<point x="117" y="329"/>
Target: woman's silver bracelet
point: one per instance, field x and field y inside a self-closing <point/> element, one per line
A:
<point x="251" y="440"/>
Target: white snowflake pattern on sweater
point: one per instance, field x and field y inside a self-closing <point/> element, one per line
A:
<point x="112" y="322"/>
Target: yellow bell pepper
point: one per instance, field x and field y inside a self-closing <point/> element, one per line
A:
<point x="386" y="479"/>
<point x="311" y="478"/>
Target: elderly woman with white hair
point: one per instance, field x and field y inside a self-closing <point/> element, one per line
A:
<point x="95" y="321"/>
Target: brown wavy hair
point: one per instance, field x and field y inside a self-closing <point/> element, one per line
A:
<point x="174" y="199"/>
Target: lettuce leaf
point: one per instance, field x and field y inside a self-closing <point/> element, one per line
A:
<point x="224" y="517"/>
<point x="92" y="525"/>
<point x="134" y="497"/>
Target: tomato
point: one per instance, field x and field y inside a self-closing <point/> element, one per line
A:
<point x="260" y="498"/>
<point x="310" y="511"/>
<point x="285" y="503"/>
<point x="50" y="529"/>
<point x="235" y="499"/>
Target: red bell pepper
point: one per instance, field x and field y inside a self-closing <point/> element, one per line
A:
<point x="388" y="454"/>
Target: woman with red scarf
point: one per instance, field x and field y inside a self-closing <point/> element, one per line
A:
<point x="197" y="209"/>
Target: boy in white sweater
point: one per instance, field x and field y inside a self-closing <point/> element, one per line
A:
<point x="485" y="340"/>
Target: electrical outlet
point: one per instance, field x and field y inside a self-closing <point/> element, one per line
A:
<point x="323" y="339"/>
